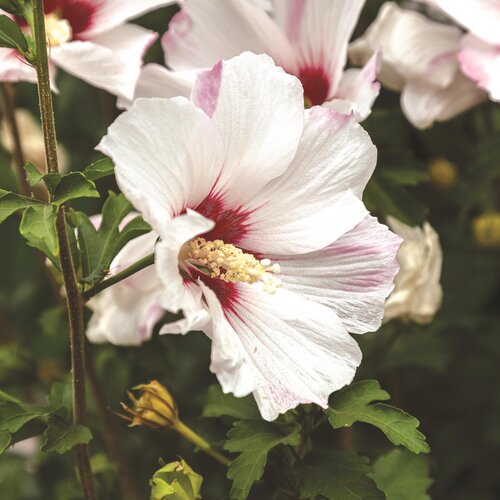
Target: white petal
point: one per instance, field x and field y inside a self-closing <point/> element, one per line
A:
<point x="424" y="104"/>
<point x="175" y="294"/>
<point x="14" y="68"/>
<point x="481" y="63"/>
<point x="298" y="350"/>
<point x="359" y="87"/>
<point x="481" y="17"/>
<point x="158" y="81"/>
<point x="353" y="276"/>
<point x="312" y="203"/>
<point x="204" y="32"/>
<point x="319" y="31"/>
<point x="111" y="13"/>
<point x="111" y="61"/>
<point x="168" y="155"/>
<point x="259" y="112"/>
<point x="412" y="47"/>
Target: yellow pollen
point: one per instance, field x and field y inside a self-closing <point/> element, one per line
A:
<point x="229" y="263"/>
<point x="58" y="30"/>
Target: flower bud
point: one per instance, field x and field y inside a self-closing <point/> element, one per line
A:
<point x="486" y="229"/>
<point x="176" y="480"/>
<point x="442" y="173"/>
<point x="155" y="407"/>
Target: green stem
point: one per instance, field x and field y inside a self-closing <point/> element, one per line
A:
<point x="198" y="441"/>
<point x="74" y="301"/>
<point x="128" y="271"/>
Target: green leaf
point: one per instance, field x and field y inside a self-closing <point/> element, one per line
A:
<point x="72" y="186"/>
<point x="219" y="404"/>
<point x="338" y="476"/>
<point x="10" y="203"/>
<point x="33" y="175"/>
<point x="5" y="439"/>
<point x="98" y="169"/>
<point x="354" y="404"/>
<point x="254" y="439"/>
<point x="11" y="36"/>
<point x="61" y="396"/>
<point x="176" y="481"/>
<point x="52" y="181"/>
<point x="38" y="226"/>
<point x="60" y="437"/>
<point x="401" y="475"/>
<point x="14" y="416"/>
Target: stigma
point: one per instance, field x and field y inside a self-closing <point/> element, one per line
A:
<point x="230" y="264"/>
<point x="58" y="30"/>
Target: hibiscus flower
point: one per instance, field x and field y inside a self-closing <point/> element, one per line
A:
<point x="265" y="244"/>
<point x="308" y="38"/>
<point x="91" y="40"/>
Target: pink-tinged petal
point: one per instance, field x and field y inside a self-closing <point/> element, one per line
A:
<point x="424" y="104"/>
<point x="168" y="156"/>
<point x="111" y="61"/>
<point x="317" y="199"/>
<point x="204" y="32"/>
<point x="259" y="112"/>
<point x="158" y="81"/>
<point x="14" y="68"/>
<point x="353" y="276"/>
<point x="297" y="350"/>
<point x="176" y="295"/>
<point x="481" y="17"/>
<point x="360" y="87"/>
<point x="481" y="63"/>
<point x="109" y="14"/>
<point x="412" y="47"/>
<point x="126" y="313"/>
<point x="319" y="31"/>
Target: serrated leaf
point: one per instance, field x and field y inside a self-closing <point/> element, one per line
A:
<point x="60" y="437"/>
<point x="136" y="227"/>
<point x="61" y="396"/>
<point x="98" y="169"/>
<point x="38" y="226"/>
<point x="176" y="481"/>
<point x="11" y="203"/>
<point x="52" y="181"/>
<point x="338" y="476"/>
<point x="14" y="416"/>
<point x="254" y="439"/>
<point x="11" y="36"/>
<point x="219" y="404"/>
<point x="401" y="475"/>
<point x="72" y="186"/>
<point x="354" y="404"/>
<point x="33" y="175"/>
<point x="5" y="440"/>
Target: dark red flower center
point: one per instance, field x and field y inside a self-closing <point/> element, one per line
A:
<point x="316" y="85"/>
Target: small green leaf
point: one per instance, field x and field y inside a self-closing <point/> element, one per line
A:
<point x="254" y="439"/>
<point x="33" y="175"/>
<point x="98" y="169"/>
<point x="176" y="481"/>
<point x="38" y="226"/>
<point x="11" y="36"/>
<point x="219" y="404"/>
<point x="61" y="437"/>
<point x="52" y="181"/>
<point x="14" y="416"/>
<point x="401" y="475"/>
<point x="353" y="404"/>
<point x="61" y="396"/>
<point x="5" y="439"/>
<point x="337" y="476"/>
<point x="74" y="185"/>
<point x="10" y="203"/>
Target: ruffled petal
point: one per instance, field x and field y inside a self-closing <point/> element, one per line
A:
<point x="111" y="61"/>
<point x="179" y="152"/>
<point x="412" y="47"/>
<point x="259" y="112"/>
<point x="111" y="13"/>
<point x="353" y="276"/>
<point x="424" y="104"/>
<point x="317" y="199"/>
<point x="291" y="350"/>
<point x="481" y="63"/>
<point x="319" y="32"/>
<point x="158" y="81"/>
<point x="204" y="32"/>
